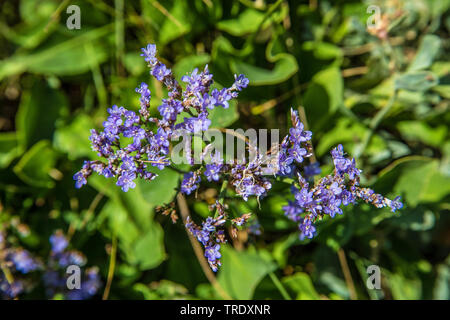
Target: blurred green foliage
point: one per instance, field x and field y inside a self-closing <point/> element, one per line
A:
<point x="385" y="98"/>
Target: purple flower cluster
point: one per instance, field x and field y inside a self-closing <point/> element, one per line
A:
<point x="211" y="237"/>
<point x="294" y="147"/>
<point x="18" y="265"/>
<point x="151" y="146"/>
<point x="249" y="179"/>
<point x="330" y="193"/>
<point x="18" y="262"/>
<point x="55" y="276"/>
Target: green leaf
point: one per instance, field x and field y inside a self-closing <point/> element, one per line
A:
<point x="9" y="148"/>
<point x="426" y="53"/>
<point x="65" y="58"/>
<point x="301" y="284"/>
<point x="284" y="68"/>
<point x="241" y="272"/>
<point x="142" y="245"/>
<point x="420" y="131"/>
<point x="222" y="118"/>
<point x="416" y="81"/>
<point x="418" y="179"/>
<point x="323" y="96"/>
<point x="73" y="138"/>
<point x="162" y="189"/>
<point x="39" y="109"/>
<point x="35" y="165"/>
<point x="177" y="24"/>
<point x="247" y="22"/>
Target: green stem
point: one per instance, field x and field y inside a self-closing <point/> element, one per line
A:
<point x="279" y="286"/>
<point x="222" y="195"/>
<point x="374" y="124"/>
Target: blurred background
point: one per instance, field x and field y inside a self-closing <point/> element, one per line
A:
<point x="375" y="79"/>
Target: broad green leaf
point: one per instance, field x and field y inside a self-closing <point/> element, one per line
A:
<point x="177" y="24"/>
<point x="426" y="53"/>
<point x="142" y="245"/>
<point x="420" y="131"/>
<point x="73" y="138"/>
<point x="35" y="165"/>
<point x="39" y="109"/>
<point x="9" y="148"/>
<point x="222" y="118"/>
<point x="247" y="22"/>
<point x="65" y="58"/>
<point x="418" y="179"/>
<point x="162" y="189"/>
<point x="323" y="96"/>
<point x="301" y="284"/>
<point x="284" y="68"/>
<point x="241" y="272"/>
<point x="416" y="81"/>
<point x="324" y="50"/>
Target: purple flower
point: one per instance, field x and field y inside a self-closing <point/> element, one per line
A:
<point x="149" y="53"/>
<point x="297" y="153"/>
<point x="208" y="102"/>
<point x="222" y="97"/>
<point x="212" y="252"/>
<point x="292" y="211"/>
<point x="80" y="176"/>
<point x="125" y="180"/>
<point x="190" y="182"/>
<point x="307" y="228"/>
<point x="285" y="163"/>
<point x="240" y="82"/>
<point x="23" y="262"/>
<point x="130" y="118"/>
<point x="197" y="124"/>
<point x="59" y="243"/>
<point x="304" y="197"/>
<point x="160" y="71"/>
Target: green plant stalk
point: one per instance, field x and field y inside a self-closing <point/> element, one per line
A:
<point x="279" y="286"/>
<point x="375" y="123"/>
<point x="222" y="195"/>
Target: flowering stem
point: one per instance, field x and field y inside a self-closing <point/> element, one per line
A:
<point x="222" y="195"/>
<point x="279" y="286"/>
<point x="184" y="210"/>
<point x="112" y="265"/>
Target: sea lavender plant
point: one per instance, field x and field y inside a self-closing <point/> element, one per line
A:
<point x="151" y="142"/>
<point x="55" y="276"/>
<point x="19" y="267"/>
<point x="16" y="263"/>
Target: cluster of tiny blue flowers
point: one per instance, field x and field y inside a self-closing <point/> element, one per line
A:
<point x="211" y="234"/>
<point x="16" y="262"/>
<point x="55" y="276"/>
<point x="129" y="162"/>
<point x="211" y="237"/>
<point x="18" y="267"/>
<point x="331" y="192"/>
